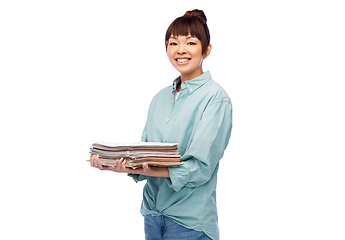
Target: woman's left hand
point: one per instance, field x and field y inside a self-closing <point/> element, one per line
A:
<point x="144" y="170"/>
<point x="121" y="168"/>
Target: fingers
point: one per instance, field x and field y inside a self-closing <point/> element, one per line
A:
<point x="145" y="166"/>
<point x="145" y="169"/>
<point x="96" y="162"/>
<point x="99" y="163"/>
<point x="92" y="161"/>
<point x="121" y="165"/>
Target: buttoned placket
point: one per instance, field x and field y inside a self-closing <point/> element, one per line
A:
<point x="175" y="110"/>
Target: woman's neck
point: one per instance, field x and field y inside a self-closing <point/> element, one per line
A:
<point x="178" y="87"/>
<point x="192" y="75"/>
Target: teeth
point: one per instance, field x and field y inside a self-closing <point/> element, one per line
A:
<point x="182" y="59"/>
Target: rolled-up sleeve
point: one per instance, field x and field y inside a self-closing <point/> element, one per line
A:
<point x="207" y="147"/>
<point x="137" y="177"/>
<point x="178" y="177"/>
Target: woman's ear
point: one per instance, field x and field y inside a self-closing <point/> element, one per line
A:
<point x="208" y="51"/>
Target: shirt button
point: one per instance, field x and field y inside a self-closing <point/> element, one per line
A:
<point x="190" y="90"/>
<point x="168" y="120"/>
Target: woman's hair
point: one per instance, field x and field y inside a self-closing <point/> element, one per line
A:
<point x="193" y="23"/>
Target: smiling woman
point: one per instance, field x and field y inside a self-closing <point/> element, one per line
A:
<point x="195" y="112"/>
<point x="187" y="42"/>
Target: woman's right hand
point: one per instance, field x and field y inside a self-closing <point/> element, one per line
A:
<point x="96" y="163"/>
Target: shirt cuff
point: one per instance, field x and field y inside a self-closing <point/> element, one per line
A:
<point x="137" y="177"/>
<point x="178" y="177"/>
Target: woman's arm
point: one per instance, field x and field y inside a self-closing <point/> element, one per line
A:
<point x="207" y="147"/>
<point x="121" y="168"/>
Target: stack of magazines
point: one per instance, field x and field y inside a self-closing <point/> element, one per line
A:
<point x="153" y="153"/>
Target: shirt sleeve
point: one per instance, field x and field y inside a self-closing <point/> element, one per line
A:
<point x="206" y="149"/>
<point x="137" y="177"/>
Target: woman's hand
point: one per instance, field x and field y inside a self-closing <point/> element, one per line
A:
<point x="120" y="167"/>
<point x="96" y="162"/>
<point x="150" y="171"/>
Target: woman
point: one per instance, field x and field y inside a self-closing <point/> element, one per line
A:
<point x="195" y="112"/>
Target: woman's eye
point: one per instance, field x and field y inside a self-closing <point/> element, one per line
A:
<point x="191" y="43"/>
<point x="173" y="44"/>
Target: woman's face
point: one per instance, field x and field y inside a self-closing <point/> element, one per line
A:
<point x="185" y="54"/>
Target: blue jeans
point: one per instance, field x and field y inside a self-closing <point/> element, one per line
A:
<point x="163" y="228"/>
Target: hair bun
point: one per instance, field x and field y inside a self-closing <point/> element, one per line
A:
<point x="196" y="13"/>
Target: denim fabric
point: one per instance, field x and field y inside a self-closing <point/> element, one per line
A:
<point x="163" y="228"/>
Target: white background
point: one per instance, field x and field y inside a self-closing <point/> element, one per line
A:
<point x="76" y="71"/>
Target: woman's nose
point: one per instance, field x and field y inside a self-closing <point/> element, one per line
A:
<point x="181" y="49"/>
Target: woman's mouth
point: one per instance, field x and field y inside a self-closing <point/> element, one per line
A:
<point x="181" y="61"/>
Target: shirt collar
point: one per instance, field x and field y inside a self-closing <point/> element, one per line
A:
<point x="193" y="84"/>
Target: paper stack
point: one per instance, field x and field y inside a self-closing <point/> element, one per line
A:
<point x="153" y="153"/>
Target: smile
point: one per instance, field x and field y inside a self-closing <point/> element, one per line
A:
<point x="181" y="61"/>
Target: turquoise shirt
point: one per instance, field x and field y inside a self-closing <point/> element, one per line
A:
<point x="200" y="122"/>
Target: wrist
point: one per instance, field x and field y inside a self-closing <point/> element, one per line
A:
<point x="158" y="172"/>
